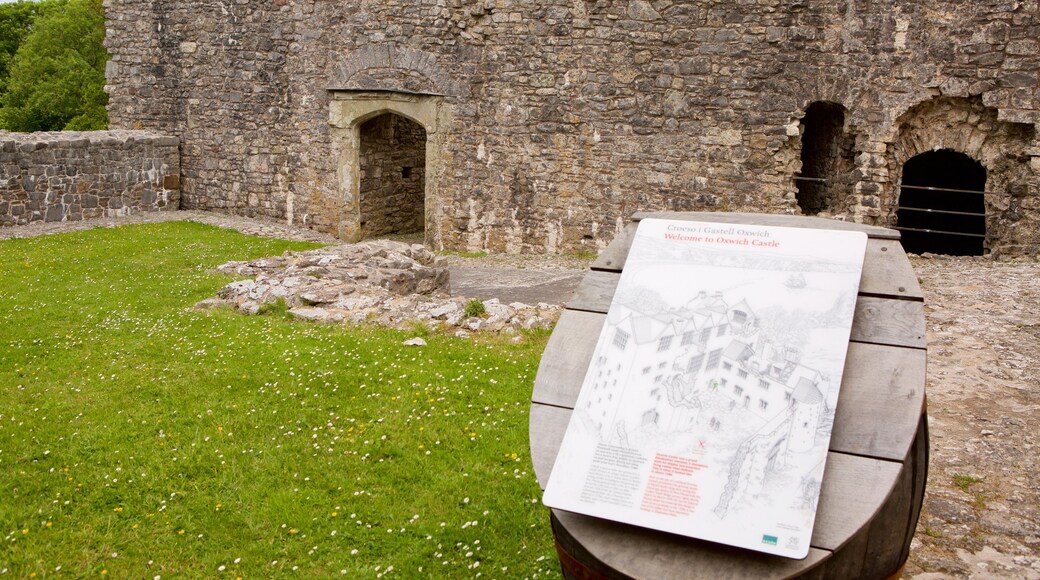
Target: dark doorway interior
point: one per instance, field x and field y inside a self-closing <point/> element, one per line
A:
<point x="826" y="159"/>
<point x="942" y="209"/>
<point x="392" y="159"/>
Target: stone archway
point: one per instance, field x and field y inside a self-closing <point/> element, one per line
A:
<point x="942" y="206"/>
<point x="967" y="126"/>
<point x="376" y="114"/>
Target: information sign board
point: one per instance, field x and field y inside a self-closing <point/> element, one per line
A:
<point x="708" y="405"/>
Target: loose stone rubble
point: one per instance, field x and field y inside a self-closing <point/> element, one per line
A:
<point x="384" y="282"/>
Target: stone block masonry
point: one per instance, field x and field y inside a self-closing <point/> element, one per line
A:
<point x="72" y="176"/>
<point x="549" y="122"/>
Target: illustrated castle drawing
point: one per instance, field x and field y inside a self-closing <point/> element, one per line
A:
<point x="697" y="368"/>
<point x="709" y="400"/>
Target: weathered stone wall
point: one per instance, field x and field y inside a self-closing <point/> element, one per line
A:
<point x="564" y="117"/>
<point x="73" y="176"/>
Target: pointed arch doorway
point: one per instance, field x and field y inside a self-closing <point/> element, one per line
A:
<point x="942" y="206"/>
<point x="387" y="146"/>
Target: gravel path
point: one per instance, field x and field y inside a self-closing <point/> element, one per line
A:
<point x="981" y="515"/>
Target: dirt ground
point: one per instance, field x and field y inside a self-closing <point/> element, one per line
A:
<point x="981" y="515"/>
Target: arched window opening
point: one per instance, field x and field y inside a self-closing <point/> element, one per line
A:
<point x="392" y="188"/>
<point x="942" y="207"/>
<point x="826" y="159"/>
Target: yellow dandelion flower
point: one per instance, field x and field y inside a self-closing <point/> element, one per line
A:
<point x="48" y="524"/>
<point x="180" y="532"/>
<point x="117" y="509"/>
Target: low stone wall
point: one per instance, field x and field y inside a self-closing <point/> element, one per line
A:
<point x="72" y="176"/>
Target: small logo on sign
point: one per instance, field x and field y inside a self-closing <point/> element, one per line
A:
<point x="771" y="540"/>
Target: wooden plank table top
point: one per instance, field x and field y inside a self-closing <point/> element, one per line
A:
<point x="874" y="449"/>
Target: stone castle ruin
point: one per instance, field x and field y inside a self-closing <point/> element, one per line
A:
<point x="541" y="126"/>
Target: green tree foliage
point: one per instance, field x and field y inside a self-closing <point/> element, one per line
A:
<point x="57" y="76"/>
<point x="16" y="21"/>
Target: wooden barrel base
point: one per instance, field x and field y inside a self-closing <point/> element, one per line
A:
<point x="877" y="460"/>
<point x="878" y="551"/>
<point x="574" y="569"/>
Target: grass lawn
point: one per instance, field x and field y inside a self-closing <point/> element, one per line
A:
<point x="141" y="438"/>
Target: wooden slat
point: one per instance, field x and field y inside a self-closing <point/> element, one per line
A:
<point x="567" y="357"/>
<point x="918" y="457"/>
<point x="624" y="551"/>
<point x="546" y="430"/>
<point x="565" y="369"/>
<point x="853" y="490"/>
<point x="889" y="527"/>
<point x="876" y="320"/>
<point x="614" y="256"/>
<point x="846" y="564"/>
<point x="887" y="271"/>
<point x="594" y="292"/>
<point x="890" y="322"/>
<point x="763" y="219"/>
<point x="881" y="401"/>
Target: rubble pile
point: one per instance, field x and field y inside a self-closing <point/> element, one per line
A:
<point x="382" y="282"/>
